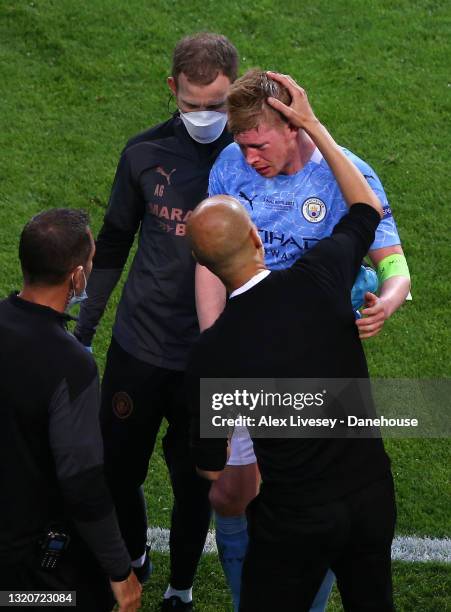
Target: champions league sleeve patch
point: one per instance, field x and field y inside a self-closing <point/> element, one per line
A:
<point x="314" y="210"/>
<point x="387" y="211"/>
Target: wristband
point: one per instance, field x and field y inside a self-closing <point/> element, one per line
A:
<point x="392" y="265"/>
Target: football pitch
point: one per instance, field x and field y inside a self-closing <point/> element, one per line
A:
<point x="80" y="78"/>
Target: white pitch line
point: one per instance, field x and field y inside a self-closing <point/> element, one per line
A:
<point x="405" y="548"/>
<point x="410" y="548"/>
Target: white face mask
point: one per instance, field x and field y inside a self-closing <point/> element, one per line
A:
<point x="204" y="126"/>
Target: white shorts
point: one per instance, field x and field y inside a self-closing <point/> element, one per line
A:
<point x="241" y="447"/>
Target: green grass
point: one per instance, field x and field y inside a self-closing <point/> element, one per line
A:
<point x="417" y="587"/>
<point x="79" y="78"/>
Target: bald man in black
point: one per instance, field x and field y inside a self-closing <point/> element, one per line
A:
<point x="324" y="503"/>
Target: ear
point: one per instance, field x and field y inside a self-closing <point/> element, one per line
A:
<point x="76" y="274"/>
<point x="172" y="85"/>
<point x="255" y="237"/>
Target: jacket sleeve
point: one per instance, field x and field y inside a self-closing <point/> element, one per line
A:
<point x="121" y="222"/>
<point x="76" y="443"/>
<point x="210" y="454"/>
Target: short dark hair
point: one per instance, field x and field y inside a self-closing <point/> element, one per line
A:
<point x="202" y="56"/>
<point x="53" y="243"/>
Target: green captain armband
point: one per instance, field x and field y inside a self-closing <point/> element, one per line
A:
<point x="392" y="265"/>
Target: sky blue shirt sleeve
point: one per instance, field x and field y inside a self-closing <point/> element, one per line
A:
<point x="387" y="232"/>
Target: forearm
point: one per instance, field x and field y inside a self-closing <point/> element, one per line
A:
<point x="89" y="505"/>
<point x="210" y="454"/>
<point x="394" y="276"/>
<point x="76" y="444"/>
<point x="105" y="541"/>
<point x="101" y="284"/>
<point x="210" y="297"/>
<point x="393" y="293"/>
<point x="112" y="249"/>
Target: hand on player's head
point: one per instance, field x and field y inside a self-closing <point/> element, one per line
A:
<point x="299" y="113"/>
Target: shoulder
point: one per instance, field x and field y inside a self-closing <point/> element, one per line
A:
<point x="361" y="164"/>
<point x="77" y="353"/>
<point x="162" y="130"/>
<point x="72" y="362"/>
<point x="149" y="143"/>
<point x="5" y="315"/>
<point x="231" y="154"/>
<point x="4" y="306"/>
<point x="229" y="171"/>
<point x="144" y="150"/>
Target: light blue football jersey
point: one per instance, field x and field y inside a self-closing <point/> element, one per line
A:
<point x="292" y="212"/>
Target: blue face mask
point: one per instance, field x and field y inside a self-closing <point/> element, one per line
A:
<point x="77" y="299"/>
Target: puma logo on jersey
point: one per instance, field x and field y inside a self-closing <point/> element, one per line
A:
<point x="166" y="175"/>
<point x="249" y="200"/>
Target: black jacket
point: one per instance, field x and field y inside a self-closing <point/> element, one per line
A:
<point x="51" y="451"/>
<point x="296" y="323"/>
<point x="161" y="177"/>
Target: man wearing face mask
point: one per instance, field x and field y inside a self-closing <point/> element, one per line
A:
<point x="58" y="527"/>
<point x="161" y="177"/>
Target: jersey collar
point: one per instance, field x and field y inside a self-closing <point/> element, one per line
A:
<point x="39" y="309"/>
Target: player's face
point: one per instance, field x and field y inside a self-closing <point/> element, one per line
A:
<point x="270" y="149"/>
<point x="192" y="97"/>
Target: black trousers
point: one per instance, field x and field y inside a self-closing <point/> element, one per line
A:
<point x="290" y="550"/>
<point x="135" y="398"/>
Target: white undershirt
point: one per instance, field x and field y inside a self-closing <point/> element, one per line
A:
<point x="317" y="156"/>
<point x="250" y="283"/>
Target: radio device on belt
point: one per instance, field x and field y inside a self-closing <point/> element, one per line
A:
<point x="52" y="547"/>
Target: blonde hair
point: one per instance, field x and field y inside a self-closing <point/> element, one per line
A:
<point x="246" y="102"/>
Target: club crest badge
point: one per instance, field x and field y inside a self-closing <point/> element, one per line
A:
<point x="314" y="210"/>
<point x="122" y="405"/>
